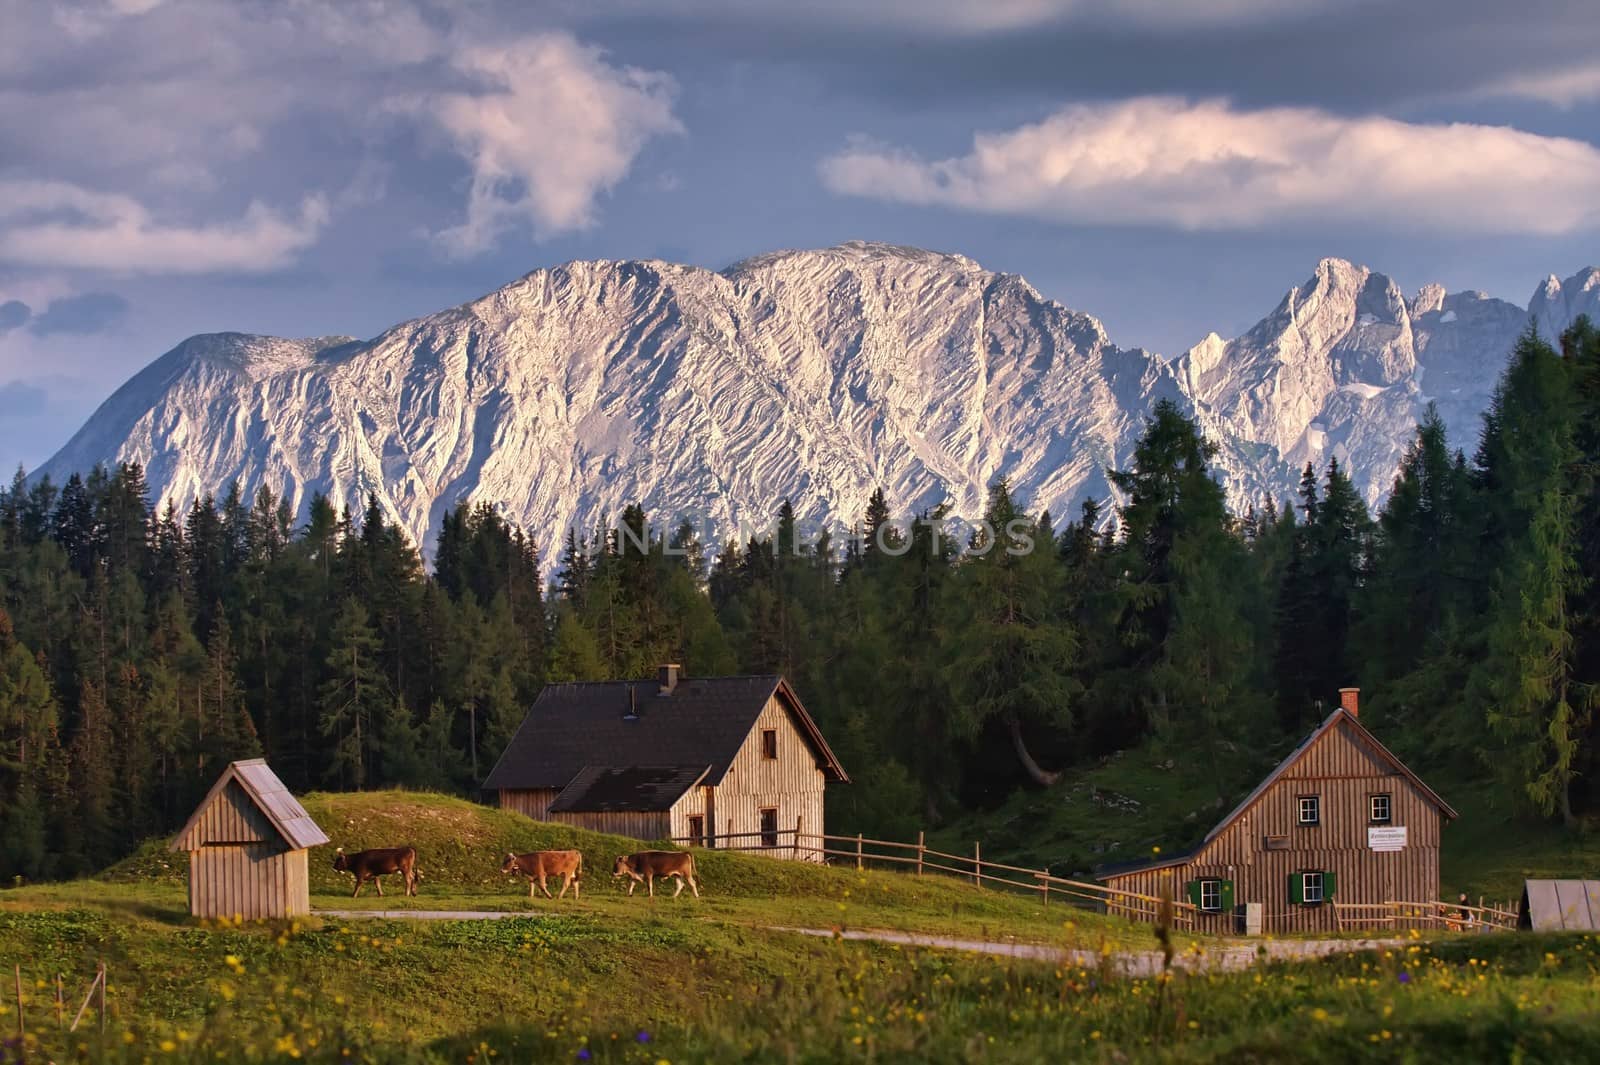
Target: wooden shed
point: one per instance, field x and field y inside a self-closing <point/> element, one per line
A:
<point x="1341" y="819"/>
<point x="1560" y="906"/>
<point x="724" y="761"/>
<point x="247" y="846"/>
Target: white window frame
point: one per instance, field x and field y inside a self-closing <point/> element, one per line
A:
<point x="1315" y="802"/>
<point x="1311" y="888"/>
<point x="1388" y="809"/>
<point x="1211" y="895"/>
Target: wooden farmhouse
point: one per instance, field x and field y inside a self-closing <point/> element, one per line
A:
<point x="722" y="761"/>
<point x="247" y="847"/>
<point x="1341" y="819"/>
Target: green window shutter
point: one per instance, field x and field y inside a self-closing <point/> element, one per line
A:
<point x="1227" y="896"/>
<point x="1328" y="883"/>
<point x="1296" y="888"/>
<point x="1192" y="889"/>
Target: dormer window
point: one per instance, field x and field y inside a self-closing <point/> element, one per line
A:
<point x="1309" y="810"/>
<point x="769" y="744"/>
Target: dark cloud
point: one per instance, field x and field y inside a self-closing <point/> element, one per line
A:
<point x="13" y="314"/>
<point x="92" y="312"/>
<point x="18" y="399"/>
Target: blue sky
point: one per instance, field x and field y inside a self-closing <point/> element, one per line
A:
<point x="171" y="167"/>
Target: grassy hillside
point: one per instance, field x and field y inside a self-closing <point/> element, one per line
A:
<point x="460" y="846"/>
<point x="1120" y="809"/>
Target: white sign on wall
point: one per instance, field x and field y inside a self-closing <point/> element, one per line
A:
<point x="1387" y="839"/>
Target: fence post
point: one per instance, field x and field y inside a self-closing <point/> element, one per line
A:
<point x="795" y="853"/>
<point x="102" y="998"/>
<point x="61" y="1004"/>
<point x="920" y="849"/>
<point x="1044" y="887"/>
<point x="22" y="1029"/>
<point x="977" y="863"/>
<point x="858" y="852"/>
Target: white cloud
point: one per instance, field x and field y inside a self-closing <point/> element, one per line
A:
<point x="550" y="127"/>
<point x="1563" y="88"/>
<point x="1207" y="166"/>
<point x="60" y="225"/>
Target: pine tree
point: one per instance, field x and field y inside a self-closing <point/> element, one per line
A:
<point x="27" y="732"/>
<point x="352" y="697"/>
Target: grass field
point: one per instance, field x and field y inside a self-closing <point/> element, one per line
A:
<point x="616" y="980"/>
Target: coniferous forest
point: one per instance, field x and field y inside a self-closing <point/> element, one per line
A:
<point x="140" y="649"/>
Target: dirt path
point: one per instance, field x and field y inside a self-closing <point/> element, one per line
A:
<point x="1130" y="962"/>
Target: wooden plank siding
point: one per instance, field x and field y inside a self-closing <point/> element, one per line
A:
<point x="254" y="881"/>
<point x="531" y="802"/>
<point x="1343" y="770"/>
<point x="640" y="824"/>
<point x="792" y="783"/>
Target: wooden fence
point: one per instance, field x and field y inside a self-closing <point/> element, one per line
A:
<point x="1447" y="916"/>
<point x="920" y="859"/>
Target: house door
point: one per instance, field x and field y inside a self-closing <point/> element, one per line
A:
<point x="697" y="831"/>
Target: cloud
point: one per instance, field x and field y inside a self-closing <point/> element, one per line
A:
<point x="1164" y="161"/>
<point x="1563" y="88"/>
<point x="91" y="312"/>
<point x="13" y="315"/>
<point x="18" y="399"/>
<point x="59" y="224"/>
<point x="549" y="127"/>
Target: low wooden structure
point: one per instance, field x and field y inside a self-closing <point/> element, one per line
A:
<point x="1340" y="819"/>
<point x="673" y="757"/>
<point x="247" y="844"/>
<point x="1560" y="906"/>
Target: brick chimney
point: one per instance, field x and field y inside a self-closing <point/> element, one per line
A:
<point x="667" y="675"/>
<point x="1350" y="699"/>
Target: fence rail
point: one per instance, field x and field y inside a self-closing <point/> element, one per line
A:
<point x="1450" y="916"/>
<point x="920" y="859"/>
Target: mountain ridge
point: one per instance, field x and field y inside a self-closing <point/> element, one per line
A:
<point x="816" y="375"/>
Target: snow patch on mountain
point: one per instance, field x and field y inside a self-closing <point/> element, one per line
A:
<point x="816" y="376"/>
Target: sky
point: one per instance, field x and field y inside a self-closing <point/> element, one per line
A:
<point x="304" y="168"/>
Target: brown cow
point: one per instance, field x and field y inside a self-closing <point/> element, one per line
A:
<point x="536" y="865"/>
<point x="645" y="866"/>
<point x="372" y="864"/>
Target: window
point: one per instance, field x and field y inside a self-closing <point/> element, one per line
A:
<point x="1211" y="895"/>
<point x="697" y="830"/>
<point x="769" y="744"/>
<point x="1310" y="888"/>
<point x="769" y="827"/>
<point x="1310" y="810"/>
<point x="1380" y="809"/>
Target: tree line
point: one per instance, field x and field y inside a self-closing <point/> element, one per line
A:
<point x="140" y="650"/>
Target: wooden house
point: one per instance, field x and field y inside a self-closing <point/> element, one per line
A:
<point x="247" y="847"/>
<point x="1340" y="819"/>
<point x="733" y="761"/>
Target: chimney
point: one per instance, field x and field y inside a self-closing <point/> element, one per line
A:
<point x="667" y="675"/>
<point x="1349" y="698"/>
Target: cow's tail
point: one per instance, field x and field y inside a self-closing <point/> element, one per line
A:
<point x="577" y="871"/>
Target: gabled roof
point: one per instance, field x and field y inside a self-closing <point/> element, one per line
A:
<point x="703" y="722"/>
<point x="604" y="788"/>
<point x="1329" y="724"/>
<point x="1332" y="721"/>
<point x="269" y="795"/>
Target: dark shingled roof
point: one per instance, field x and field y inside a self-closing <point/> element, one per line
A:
<point x="627" y="723"/>
<point x="603" y="788"/>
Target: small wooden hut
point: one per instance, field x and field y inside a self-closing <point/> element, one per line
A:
<point x="247" y="846"/>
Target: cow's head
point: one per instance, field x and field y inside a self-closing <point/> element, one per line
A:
<point x="624" y="866"/>
<point x="341" y="863"/>
<point x="510" y="864"/>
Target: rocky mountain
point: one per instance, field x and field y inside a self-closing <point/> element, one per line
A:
<point x="813" y="375"/>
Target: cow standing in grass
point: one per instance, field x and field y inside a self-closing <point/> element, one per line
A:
<point x="372" y="864"/>
<point x="645" y="866"/>
<point x="536" y="865"/>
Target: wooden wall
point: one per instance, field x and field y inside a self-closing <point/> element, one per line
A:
<point x="534" y="802"/>
<point x="791" y="783"/>
<point x="1343" y="770"/>
<point x="238" y="864"/>
<point x="255" y="881"/>
<point x="645" y="824"/>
